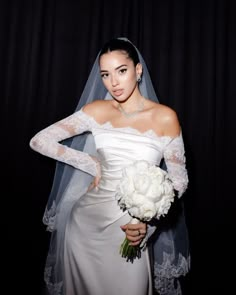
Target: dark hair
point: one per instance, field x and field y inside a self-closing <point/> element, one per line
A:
<point x="121" y="45"/>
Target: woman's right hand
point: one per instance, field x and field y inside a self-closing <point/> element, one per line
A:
<point x="94" y="183"/>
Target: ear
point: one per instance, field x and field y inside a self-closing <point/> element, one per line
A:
<point x="139" y="69"/>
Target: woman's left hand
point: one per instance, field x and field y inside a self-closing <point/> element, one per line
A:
<point x="135" y="232"/>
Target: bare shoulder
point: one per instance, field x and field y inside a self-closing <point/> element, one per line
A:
<point x="97" y="108"/>
<point x="166" y="119"/>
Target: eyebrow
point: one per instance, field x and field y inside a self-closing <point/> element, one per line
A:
<point x="124" y="65"/>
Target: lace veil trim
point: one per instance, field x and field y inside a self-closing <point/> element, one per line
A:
<point x="166" y="274"/>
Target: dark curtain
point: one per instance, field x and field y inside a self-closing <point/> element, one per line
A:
<point x="46" y="52"/>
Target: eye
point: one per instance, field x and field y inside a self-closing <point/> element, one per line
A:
<point x="104" y="75"/>
<point x="122" y="71"/>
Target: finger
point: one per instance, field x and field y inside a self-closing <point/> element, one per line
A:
<point x="142" y="232"/>
<point x="133" y="238"/>
<point x="140" y="226"/>
<point x="133" y="226"/>
<point x="133" y="233"/>
<point x="91" y="186"/>
<point x="96" y="181"/>
<point x="135" y="243"/>
<point x="136" y="232"/>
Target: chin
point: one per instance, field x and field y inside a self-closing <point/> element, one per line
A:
<point x="122" y="98"/>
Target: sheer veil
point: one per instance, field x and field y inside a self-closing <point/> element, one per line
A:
<point x="169" y="248"/>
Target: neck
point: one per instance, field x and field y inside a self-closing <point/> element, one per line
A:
<point x="129" y="109"/>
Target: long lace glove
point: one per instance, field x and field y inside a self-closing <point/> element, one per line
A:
<point x="174" y="155"/>
<point x="47" y="142"/>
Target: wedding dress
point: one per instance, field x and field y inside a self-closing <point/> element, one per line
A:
<point x="92" y="262"/>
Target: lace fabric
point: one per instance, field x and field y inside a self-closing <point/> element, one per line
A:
<point x="47" y="142"/>
<point x="167" y="274"/>
<point x="174" y="156"/>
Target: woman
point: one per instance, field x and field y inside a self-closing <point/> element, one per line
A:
<point x="126" y="126"/>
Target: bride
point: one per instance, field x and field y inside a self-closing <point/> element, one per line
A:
<point x="87" y="224"/>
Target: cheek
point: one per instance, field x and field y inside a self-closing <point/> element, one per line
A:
<point x="131" y="79"/>
<point x="105" y="83"/>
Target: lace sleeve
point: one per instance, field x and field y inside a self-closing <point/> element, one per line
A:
<point x="47" y="142"/>
<point x="174" y="155"/>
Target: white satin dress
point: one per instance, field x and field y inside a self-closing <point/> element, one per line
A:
<point x="93" y="264"/>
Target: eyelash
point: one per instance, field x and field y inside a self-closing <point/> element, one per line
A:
<point x="104" y="75"/>
<point x="121" y="71"/>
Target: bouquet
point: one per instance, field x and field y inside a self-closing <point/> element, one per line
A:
<point x="146" y="192"/>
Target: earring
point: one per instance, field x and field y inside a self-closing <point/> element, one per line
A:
<point x="139" y="78"/>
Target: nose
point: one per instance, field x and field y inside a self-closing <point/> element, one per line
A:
<point x="114" y="80"/>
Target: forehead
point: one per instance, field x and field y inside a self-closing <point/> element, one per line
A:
<point x="114" y="59"/>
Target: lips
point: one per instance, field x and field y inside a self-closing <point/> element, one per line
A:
<point x="118" y="92"/>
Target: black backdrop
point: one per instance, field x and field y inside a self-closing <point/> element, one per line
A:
<point x="47" y="49"/>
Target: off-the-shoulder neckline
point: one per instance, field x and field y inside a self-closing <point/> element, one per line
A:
<point x="149" y="133"/>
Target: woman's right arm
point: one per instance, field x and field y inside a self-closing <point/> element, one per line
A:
<point x="47" y="142"/>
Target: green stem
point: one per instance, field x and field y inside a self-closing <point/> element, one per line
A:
<point x="129" y="252"/>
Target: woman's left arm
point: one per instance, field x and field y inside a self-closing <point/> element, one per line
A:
<point x="174" y="156"/>
<point x="174" y="151"/>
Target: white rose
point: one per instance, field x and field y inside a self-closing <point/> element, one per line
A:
<point x="155" y="192"/>
<point x="129" y="172"/>
<point x="168" y="188"/>
<point x="147" y="211"/>
<point x="121" y="201"/>
<point x="141" y="166"/>
<point x="136" y="199"/>
<point x="164" y="206"/>
<point x="128" y="187"/>
<point x="134" y="211"/>
<point x="142" y="183"/>
<point x="159" y="173"/>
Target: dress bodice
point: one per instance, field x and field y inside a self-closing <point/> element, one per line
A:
<point x="117" y="147"/>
